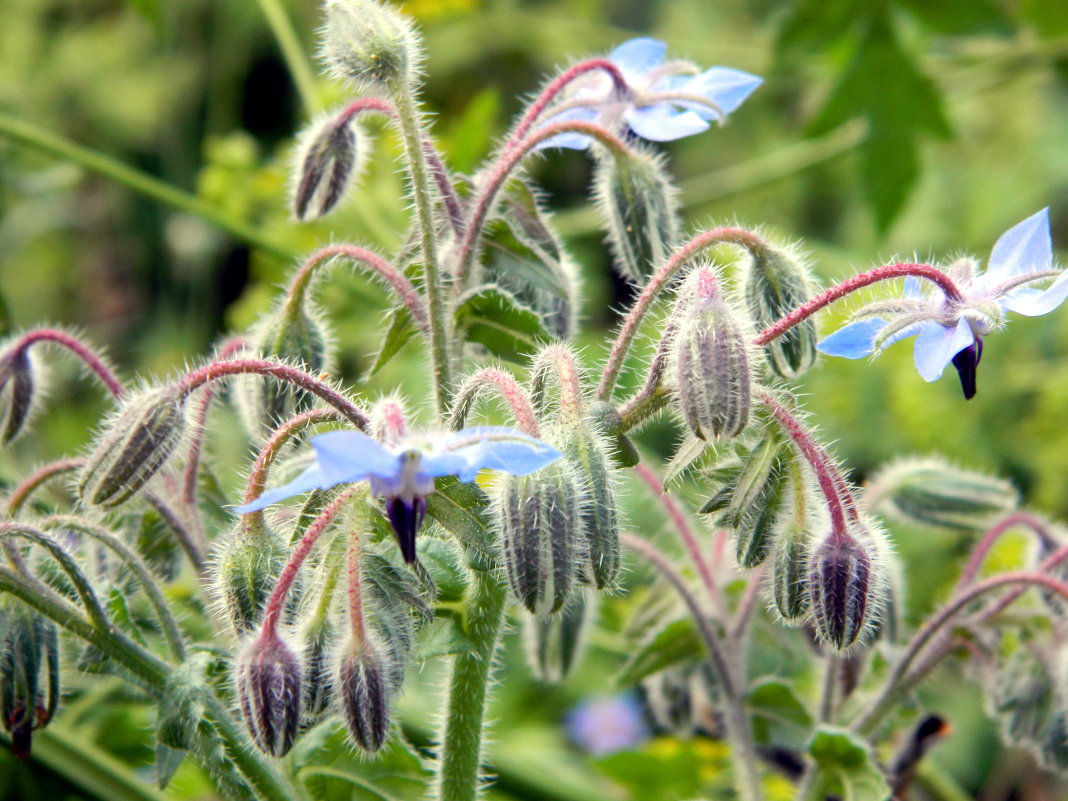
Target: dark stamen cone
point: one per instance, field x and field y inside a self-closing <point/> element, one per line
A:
<point x="967" y="363"/>
<point x="267" y="683"/>
<point x="363" y="689"/>
<point x="406" y="518"/>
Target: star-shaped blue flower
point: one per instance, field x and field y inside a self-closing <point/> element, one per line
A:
<point x="953" y="332"/>
<point x="667" y="100"/>
<point x="404" y="474"/>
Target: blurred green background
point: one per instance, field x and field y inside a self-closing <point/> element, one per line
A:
<point x="896" y="128"/>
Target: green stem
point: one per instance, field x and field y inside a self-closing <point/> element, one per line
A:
<point x="292" y="53"/>
<point x="459" y="776"/>
<point x="40" y="139"/>
<point x="408" y="120"/>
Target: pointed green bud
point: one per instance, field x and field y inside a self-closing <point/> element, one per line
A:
<point x="370" y="44"/>
<point x="846" y="586"/>
<point x="540" y="520"/>
<point x="620" y="449"/>
<point x="327" y="163"/>
<point x="757" y="500"/>
<point x="931" y="492"/>
<point x="586" y="452"/>
<point x="29" y="672"/>
<point x="776" y="284"/>
<point x="789" y="578"/>
<point x="267" y="684"/>
<point x="712" y="362"/>
<point x="16" y="393"/>
<point x="363" y="689"/>
<point x="554" y="643"/>
<point x="138" y="441"/>
<point x="640" y="209"/>
<point x="247" y="566"/>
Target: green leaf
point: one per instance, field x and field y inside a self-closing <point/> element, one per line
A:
<point x="845" y="768"/>
<point x="1049" y="17"/>
<point x="676" y="642"/>
<point x="120" y="613"/>
<point x="811" y="24"/>
<point x="470" y="137"/>
<point x="401" y="328"/>
<point x="494" y="318"/>
<point x="959" y="17"/>
<point x="394" y="773"/>
<point x="461" y="509"/>
<point x="443" y="638"/>
<point x="689" y="451"/>
<point x="780" y="720"/>
<point x="168" y="761"/>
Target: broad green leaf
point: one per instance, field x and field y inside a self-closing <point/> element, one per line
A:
<point x="780" y="720"/>
<point x="401" y="328"/>
<point x="461" y="509"/>
<point x="5" y="317"/>
<point x="495" y="319"/>
<point x="845" y="768"/>
<point x="443" y="637"/>
<point x="395" y="773"/>
<point x="676" y="642"/>
<point x="168" y="760"/>
<point x="960" y="17"/>
<point x="811" y="24"/>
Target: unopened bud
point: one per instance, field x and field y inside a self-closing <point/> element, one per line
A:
<point x="16" y="393"/>
<point x="1023" y="697"/>
<point x="620" y="449"/>
<point x="776" y="284"/>
<point x="247" y="567"/>
<point x="267" y="683"/>
<point x="363" y="689"/>
<point x="555" y="642"/>
<point x="327" y="163"/>
<point x="369" y="44"/>
<point x="789" y="576"/>
<point x="932" y="492"/>
<point x="540" y="520"/>
<point x="640" y="210"/>
<point x="584" y="449"/>
<point x="317" y="680"/>
<point x="29" y="672"/>
<point x="845" y="592"/>
<point x="757" y="499"/>
<point x="139" y="440"/>
<point x="713" y="364"/>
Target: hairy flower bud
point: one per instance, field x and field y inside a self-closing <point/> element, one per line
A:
<point x="845" y="586"/>
<point x="789" y="578"/>
<point x="327" y="163"/>
<point x="555" y="642"/>
<point x="540" y="519"/>
<point x="363" y="689"/>
<point x="777" y="283"/>
<point x="16" y="393"/>
<point x="585" y="451"/>
<point x="713" y="364"/>
<point x="932" y="492"/>
<point x="29" y="651"/>
<point x="137" y="443"/>
<point x="247" y="566"/>
<point x="757" y="499"/>
<point x="368" y="43"/>
<point x="640" y="210"/>
<point x="267" y="684"/>
<point x="606" y="419"/>
<point x="317" y="682"/>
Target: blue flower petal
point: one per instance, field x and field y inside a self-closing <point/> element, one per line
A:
<point x="639" y="55"/>
<point x="912" y="288"/>
<point x="936" y="346"/>
<point x="310" y="479"/>
<point x="1024" y="248"/>
<point x="662" y="123"/>
<point x="352" y="456"/>
<point x="853" y="341"/>
<point x="1036" y="302"/>
<point x="490" y="448"/>
<point x="725" y="87"/>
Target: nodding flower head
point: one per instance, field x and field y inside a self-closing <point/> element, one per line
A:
<point x="665" y="101"/>
<point x="952" y="331"/>
<point x="403" y="472"/>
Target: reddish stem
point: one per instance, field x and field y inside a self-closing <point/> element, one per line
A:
<point x="355" y="575"/>
<point x="362" y="104"/>
<point x="657" y="283"/>
<point x="37" y="478"/>
<point x="79" y="349"/>
<point x="513" y="394"/>
<point x="282" y="372"/>
<point x="558" y="360"/>
<point x="257" y="477"/>
<point x="1010" y="521"/>
<point x="884" y="273"/>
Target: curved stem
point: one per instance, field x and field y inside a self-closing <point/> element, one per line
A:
<point x="559" y="362"/>
<point x="884" y="273"/>
<point x="36" y="479"/>
<point x="94" y="362"/>
<point x="513" y="394"/>
<point x="743" y="752"/>
<point x="440" y="173"/>
<point x="994" y="533"/>
<point x="283" y="372"/>
<point x="549" y="94"/>
<point x="257" y="477"/>
<point x="659" y="281"/>
<point x="193" y="549"/>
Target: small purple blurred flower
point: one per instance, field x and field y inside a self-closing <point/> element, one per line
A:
<point x="608" y="723"/>
<point x="953" y="332"/>
<point x="667" y="100"/>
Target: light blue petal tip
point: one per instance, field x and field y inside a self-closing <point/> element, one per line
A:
<point x="853" y="341"/>
<point x="1024" y="248"/>
<point x="639" y="55"/>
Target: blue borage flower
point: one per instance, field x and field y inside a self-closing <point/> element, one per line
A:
<point x="404" y="474"/>
<point x="953" y="332"/>
<point x="667" y="100"/>
<point x="606" y="724"/>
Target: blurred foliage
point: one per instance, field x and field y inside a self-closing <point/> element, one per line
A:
<point x="884" y="127"/>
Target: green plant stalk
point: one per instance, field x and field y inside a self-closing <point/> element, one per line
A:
<point x="40" y="139"/>
<point x="459" y="775"/>
<point x="408" y="120"/>
<point x="292" y="53"/>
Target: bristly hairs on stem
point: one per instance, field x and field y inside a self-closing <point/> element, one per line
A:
<point x="485" y="381"/>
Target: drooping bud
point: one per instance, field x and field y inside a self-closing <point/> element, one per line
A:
<point x="363" y="689"/>
<point x="293" y="334"/>
<point x="16" y="393"/>
<point x="790" y="572"/>
<point x="932" y="492"/>
<point x="28" y="653"/>
<point x="845" y="586"/>
<point x="640" y="209"/>
<point x="540" y="520"/>
<point x="584" y="449"/>
<point x="136" y="444"/>
<point x="554" y="643"/>
<point x="777" y="283"/>
<point x="369" y="43"/>
<point x="247" y="567"/>
<point x="317" y="681"/>
<point x="268" y="687"/>
<point x="621" y="450"/>
<point x="713" y="363"/>
<point x="327" y="163"/>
